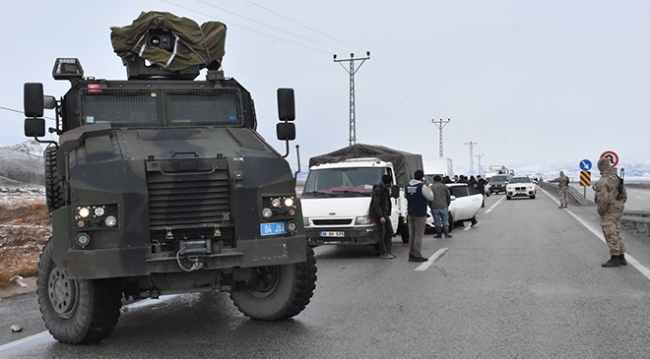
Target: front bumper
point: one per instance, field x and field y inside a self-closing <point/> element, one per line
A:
<point x="139" y="261"/>
<point x="360" y="235"/>
<point x="520" y="193"/>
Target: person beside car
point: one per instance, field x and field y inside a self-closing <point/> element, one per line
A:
<point x="418" y="195"/>
<point x="380" y="208"/>
<point x="440" y="207"/>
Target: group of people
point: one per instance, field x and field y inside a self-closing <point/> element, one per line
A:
<point x="610" y="198"/>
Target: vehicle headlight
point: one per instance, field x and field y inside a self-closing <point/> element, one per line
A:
<point x="364" y="220"/>
<point x="288" y="202"/>
<point x="275" y="203"/>
<point x="83" y="212"/>
<point x="99" y="211"/>
<point x="267" y="212"/>
<point x="110" y="221"/>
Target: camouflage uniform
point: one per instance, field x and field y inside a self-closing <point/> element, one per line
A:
<point x="563" y="182"/>
<point x="610" y="208"/>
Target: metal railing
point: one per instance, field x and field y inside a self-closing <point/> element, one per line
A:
<point x="637" y="217"/>
<point x="572" y="193"/>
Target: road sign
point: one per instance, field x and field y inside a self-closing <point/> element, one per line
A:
<point x="611" y="156"/>
<point x="585" y="165"/>
<point x="585" y="178"/>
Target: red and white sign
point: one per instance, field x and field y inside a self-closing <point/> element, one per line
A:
<point x="611" y="156"/>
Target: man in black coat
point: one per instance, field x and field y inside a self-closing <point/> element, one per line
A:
<point x="380" y="208"/>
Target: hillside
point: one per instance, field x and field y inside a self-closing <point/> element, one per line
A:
<point x="22" y="164"/>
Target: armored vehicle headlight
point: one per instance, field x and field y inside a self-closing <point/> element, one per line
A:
<point x="288" y="202"/>
<point x="110" y="221"/>
<point x="84" y="212"/>
<point x="82" y="239"/>
<point x="275" y="202"/>
<point x="267" y="213"/>
<point x="99" y="211"/>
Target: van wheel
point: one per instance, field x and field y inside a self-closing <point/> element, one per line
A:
<point x="404" y="230"/>
<point x="282" y="291"/>
<point x="76" y="311"/>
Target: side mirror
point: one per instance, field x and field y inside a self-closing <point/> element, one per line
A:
<point x="33" y="102"/>
<point x="394" y="191"/>
<point x="34" y="127"/>
<point x="286" y="105"/>
<point x="286" y="131"/>
<point x="453" y="198"/>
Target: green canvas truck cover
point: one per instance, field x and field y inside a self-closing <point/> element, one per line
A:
<point x="405" y="163"/>
<point x="196" y="45"/>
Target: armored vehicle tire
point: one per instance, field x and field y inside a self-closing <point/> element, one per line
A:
<point x="284" y="291"/>
<point x="53" y="183"/>
<point x="404" y="230"/>
<point x="76" y="311"/>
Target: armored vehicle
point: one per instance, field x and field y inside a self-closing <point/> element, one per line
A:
<point x="160" y="184"/>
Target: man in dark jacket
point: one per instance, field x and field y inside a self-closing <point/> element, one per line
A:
<point x="380" y="208"/>
<point x="418" y="195"/>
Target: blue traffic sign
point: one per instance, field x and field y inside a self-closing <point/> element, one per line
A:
<point x="585" y="165"/>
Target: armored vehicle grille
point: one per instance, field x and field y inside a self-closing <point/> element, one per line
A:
<point x="188" y="201"/>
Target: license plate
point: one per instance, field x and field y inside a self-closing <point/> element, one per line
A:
<point x="332" y="234"/>
<point x="269" y="229"/>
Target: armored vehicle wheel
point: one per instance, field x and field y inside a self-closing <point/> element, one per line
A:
<point x="76" y="311"/>
<point x="404" y="230"/>
<point x="284" y="291"/>
<point x="53" y="183"/>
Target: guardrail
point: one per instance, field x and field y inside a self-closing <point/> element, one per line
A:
<point x="572" y="193"/>
<point x="637" y="217"/>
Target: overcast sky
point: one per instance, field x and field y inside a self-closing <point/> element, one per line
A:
<point x="529" y="83"/>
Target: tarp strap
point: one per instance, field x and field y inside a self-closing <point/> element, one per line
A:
<point x="173" y="53"/>
<point x="207" y="50"/>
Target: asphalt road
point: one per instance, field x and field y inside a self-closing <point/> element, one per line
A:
<point x="525" y="283"/>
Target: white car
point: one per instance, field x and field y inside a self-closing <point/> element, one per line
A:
<point x="521" y="186"/>
<point x="465" y="202"/>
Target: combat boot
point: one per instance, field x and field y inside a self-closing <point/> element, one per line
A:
<point x="612" y="262"/>
<point x="621" y="259"/>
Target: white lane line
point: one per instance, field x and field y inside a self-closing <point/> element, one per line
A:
<point x="45" y="336"/>
<point x="599" y="233"/>
<point x="424" y="266"/>
<point x="494" y="205"/>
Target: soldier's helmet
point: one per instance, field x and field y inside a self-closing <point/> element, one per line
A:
<point x="603" y="164"/>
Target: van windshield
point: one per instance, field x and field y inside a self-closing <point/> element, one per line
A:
<point x="342" y="181"/>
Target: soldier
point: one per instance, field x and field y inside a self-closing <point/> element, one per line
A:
<point x="610" y="198"/>
<point x="563" y="182"/>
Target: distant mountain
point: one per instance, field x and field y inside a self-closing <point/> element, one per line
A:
<point x="22" y="164"/>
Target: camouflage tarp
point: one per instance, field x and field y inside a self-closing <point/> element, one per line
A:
<point x="404" y="163"/>
<point x="196" y="45"/>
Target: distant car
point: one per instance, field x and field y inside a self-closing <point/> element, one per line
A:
<point x="497" y="183"/>
<point x="465" y="202"/>
<point x="521" y="186"/>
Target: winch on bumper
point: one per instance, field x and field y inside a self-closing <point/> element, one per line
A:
<point x="360" y="235"/>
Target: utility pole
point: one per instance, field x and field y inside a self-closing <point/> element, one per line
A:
<point x="440" y="124"/>
<point x="352" y="71"/>
<point x="479" y="163"/>
<point x="471" y="156"/>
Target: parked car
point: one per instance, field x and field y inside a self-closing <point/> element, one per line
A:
<point x="521" y="186"/>
<point x="465" y="202"/>
<point x="497" y="183"/>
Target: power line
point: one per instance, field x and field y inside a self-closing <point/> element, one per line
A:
<point x="21" y="112"/>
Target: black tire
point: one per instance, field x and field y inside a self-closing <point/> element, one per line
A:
<point x="53" y="183"/>
<point x="450" y="222"/>
<point x="404" y="230"/>
<point x="532" y="197"/>
<point x="508" y="197"/>
<point x="287" y="292"/>
<point x="76" y="311"/>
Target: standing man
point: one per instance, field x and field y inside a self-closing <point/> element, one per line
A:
<point x="480" y="186"/>
<point x="418" y="195"/>
<point x="610" y="198"/>
<point x="440" y="207"/>
<point x="380" y="208"/>
<point x="563" y="183"/>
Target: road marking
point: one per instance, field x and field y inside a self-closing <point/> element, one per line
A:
<point x="598" y="233"/>
<point x="45" y="336"/>
<point x="424" y="266"/>
<point x="494" y="205"/>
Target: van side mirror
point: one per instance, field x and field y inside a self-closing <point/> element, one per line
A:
<point x="394" y="191"/>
